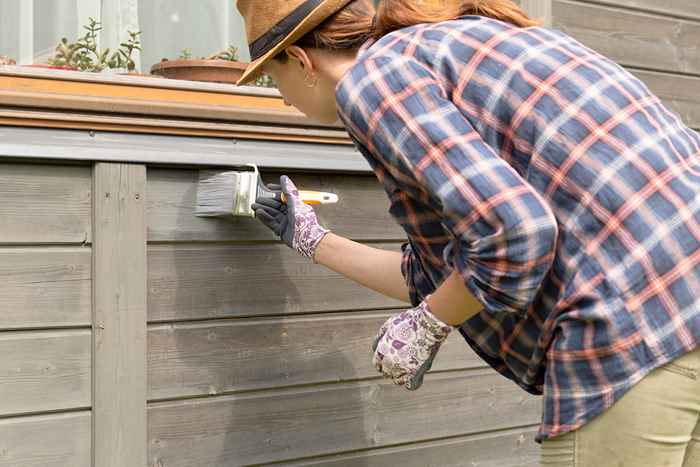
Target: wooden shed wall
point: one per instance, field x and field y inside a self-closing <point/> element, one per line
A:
<point x="257" y="356"/>
<point x="254" y="355"/>
<point x="45" y="315"/>
<point x="656" y="41"/>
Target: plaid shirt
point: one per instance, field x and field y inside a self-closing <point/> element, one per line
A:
<point x="555" y="183"/>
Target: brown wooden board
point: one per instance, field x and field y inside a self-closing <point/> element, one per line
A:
<point x="70" y="90"/>
<point x="191" y="281"/>
<point x="44" y="204"/>
<point x="193" y="359"/>
<point x="42" y="371"/>
<point x="362" y="212"/>
<point x="632" y="38"/>
<point x="508" y="448"/>
<point x="45" y="287"/>
<point x="318" y="420"/>
<point x="60" y="440"/>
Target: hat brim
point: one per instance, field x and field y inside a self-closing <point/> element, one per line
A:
<point x="313" y="19"/>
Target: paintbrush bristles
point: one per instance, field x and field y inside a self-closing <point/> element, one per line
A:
<point x="217" y="193"/>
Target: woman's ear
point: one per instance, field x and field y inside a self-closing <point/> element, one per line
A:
<point x="300" y="55"/>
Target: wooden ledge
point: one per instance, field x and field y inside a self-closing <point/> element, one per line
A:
<point x="144" y="104"/>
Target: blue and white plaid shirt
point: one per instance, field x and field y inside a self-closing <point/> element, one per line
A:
<point x="556" y="183"/>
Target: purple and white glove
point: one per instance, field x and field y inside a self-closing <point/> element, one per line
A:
<point x="294" y="222"/>
<point x="406" y="345"/>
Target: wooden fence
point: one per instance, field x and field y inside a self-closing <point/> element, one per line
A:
<point x="133" y="333"/>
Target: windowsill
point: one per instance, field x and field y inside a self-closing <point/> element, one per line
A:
<point x="35" y="97"/>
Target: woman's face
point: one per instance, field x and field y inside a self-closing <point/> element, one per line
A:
<point x="305" y="84"/>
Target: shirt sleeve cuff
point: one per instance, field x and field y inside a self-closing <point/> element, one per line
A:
<point x="410" y="271"/>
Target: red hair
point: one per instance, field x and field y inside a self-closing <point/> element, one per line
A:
<point x="350" y="27"/>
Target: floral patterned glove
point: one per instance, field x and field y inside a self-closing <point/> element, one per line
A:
<point x="294" y="222"/>
<point x="406" y="345"/>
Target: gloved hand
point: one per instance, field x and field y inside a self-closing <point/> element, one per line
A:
<point x="406" y="345"/>
<point x="294" y="222"/>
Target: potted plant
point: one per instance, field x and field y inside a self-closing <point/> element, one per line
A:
<point x="84" y="54"/>
<point x="221" y="67"/>
<point x="265" y="81"/>
<point x="5" y="60"/>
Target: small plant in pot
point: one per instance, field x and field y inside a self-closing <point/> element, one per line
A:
<point x="265" y="81"/>
<point x="221" y="67"/>
<point x="85" y="55"/>
<point x="5" y="60"/>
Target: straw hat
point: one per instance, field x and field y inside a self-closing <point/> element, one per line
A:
<point x="274" y="25"/>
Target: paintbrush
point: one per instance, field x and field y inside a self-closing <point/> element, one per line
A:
<point x="232" y="193"/>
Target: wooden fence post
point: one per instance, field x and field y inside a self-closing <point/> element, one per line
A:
<point x="119" y="316"/>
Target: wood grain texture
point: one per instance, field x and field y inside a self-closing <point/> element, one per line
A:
<point x="538" y="9"/>
<point x="632" y="38"/>
<point x="320" y="420"/>
<point x="45" y="287"/>
<point x="193" y="359"/>
<point x="108" y="97"/>
<point x="46" y="441"/>
<point x="164" y="126"/>
<point x="682" y="8"/>
<point x="192" y="281"/>
<point x="119" y="316"/>
<point x="44" y="203"/>
<point x="41" y="144"/>
<point x="508" y="448"/>
<point x="42" y="371"/>
<point x="361" y="214"/>
<point x="151" y="81"/>
<point x="679" y="93"/>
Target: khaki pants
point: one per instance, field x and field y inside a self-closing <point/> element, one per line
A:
<point x="656" y="424"/>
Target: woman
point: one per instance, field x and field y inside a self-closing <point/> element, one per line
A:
<point x="533" y="177"/>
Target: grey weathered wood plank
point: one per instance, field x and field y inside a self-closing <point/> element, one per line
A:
<point x="681" y="94"/>
<point x="193" y="359"/>
<point x="46" y="441"/>
<point x="80" y="145"/>
<point x="45" y="287"/>
<point x="508" y="448"/>
<point x="42" y="371"/>
<point x="119" y="316"/>
<point x="681" y="8"/>
<point x="191" y="281"/>
<point x="44" y="203"/>
<point x="538" y="9"/>
<point x="362" y="212"/>
<point x="632" y="38"/>
<point x="320" y="420"/>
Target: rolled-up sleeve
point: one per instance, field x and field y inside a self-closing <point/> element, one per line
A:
<point x="503" y="233"/>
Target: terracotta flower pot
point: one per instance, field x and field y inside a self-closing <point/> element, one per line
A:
<point x="217" y="71"/>
<point x="52" y="67"/>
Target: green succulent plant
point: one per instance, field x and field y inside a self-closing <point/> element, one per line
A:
<point x="186" y="54"/>
<point x="230" y="54"/>
<point x="85" y="55"/>
<point x="265" y="81"/>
